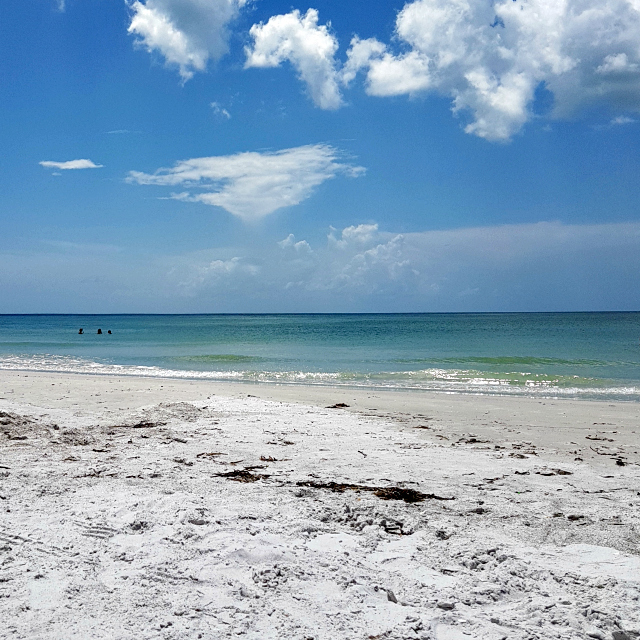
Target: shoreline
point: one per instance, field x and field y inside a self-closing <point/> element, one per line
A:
<point x="177" y="509"/>
<point x="547" y="423"/>
<point x="321" y="385"/>
<point x="302" y="391"/>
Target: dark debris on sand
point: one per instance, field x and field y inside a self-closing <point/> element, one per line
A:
<point x="386" y="493"/>
<point x="242" y="475"/>
<point x="144" y="424"/>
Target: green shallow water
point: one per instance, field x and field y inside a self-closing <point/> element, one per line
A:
<point x="216" y="358"/>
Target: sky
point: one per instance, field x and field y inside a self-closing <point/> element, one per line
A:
<point x="232" y="156"/>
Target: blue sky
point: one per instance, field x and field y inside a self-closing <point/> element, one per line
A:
<point x="259" y="156"/>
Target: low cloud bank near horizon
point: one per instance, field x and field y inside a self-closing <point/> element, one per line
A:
<point x="530" y="267"/>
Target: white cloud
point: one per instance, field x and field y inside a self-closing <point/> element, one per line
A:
<point x="491" y="57"/>
<point x="527" y="267"/>
<point x="70" y="164"/>
<point x="622" y="120"/>
<point x="252" y="185"/>
<point x="371" y="270"/>
<point x="389" y="75"/>
<point x="187" y="33"/>
<point x="61" y="5"/>
<point x="485" y="268"/>
<point x="360" y="234"/>
<point x="289" y="242"/>
<point x="619" y="63"/>
<point x="91" y="248"/>
<point x="220" y="111"/>
<point x="437" y="266"/>
<point x="228" y="273"/>
<point x="309" y="47"/>
<point x="359" y="57"/>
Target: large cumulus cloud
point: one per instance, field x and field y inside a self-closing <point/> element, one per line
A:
<point x="490" y="58"/>
<point x="308" y="46"/>
<point x="187" y="33"/>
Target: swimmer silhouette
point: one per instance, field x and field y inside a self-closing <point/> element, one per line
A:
<point x="109" y="332"/>
<point x="99" y="331"/>
<point x="81" y="331"/>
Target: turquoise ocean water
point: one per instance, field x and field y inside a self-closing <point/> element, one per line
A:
<point x="585" y="355"/>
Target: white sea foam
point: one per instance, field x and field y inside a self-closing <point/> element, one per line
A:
<point x="434" y="379"/>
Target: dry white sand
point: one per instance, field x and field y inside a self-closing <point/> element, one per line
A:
<point x="117" y="519"/>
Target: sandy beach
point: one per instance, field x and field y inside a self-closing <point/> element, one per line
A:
<point x="158" y="508"/>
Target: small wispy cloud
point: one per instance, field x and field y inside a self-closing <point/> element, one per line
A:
<point x="61" y="5"/>
<point x="121" y="132"/>
<point x="218" y="110"/>
<point x="80" y="247"/>
<point x="70" y="164"/>
<point x="252" y="185"/>
<point x="622" y="120"/>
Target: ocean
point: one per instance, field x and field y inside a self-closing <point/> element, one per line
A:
<point x="578" y="355"/>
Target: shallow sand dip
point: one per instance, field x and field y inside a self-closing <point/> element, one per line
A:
<point x="148" y="508"/>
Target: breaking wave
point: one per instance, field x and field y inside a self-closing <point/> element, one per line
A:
<point x="451" y="380"/>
